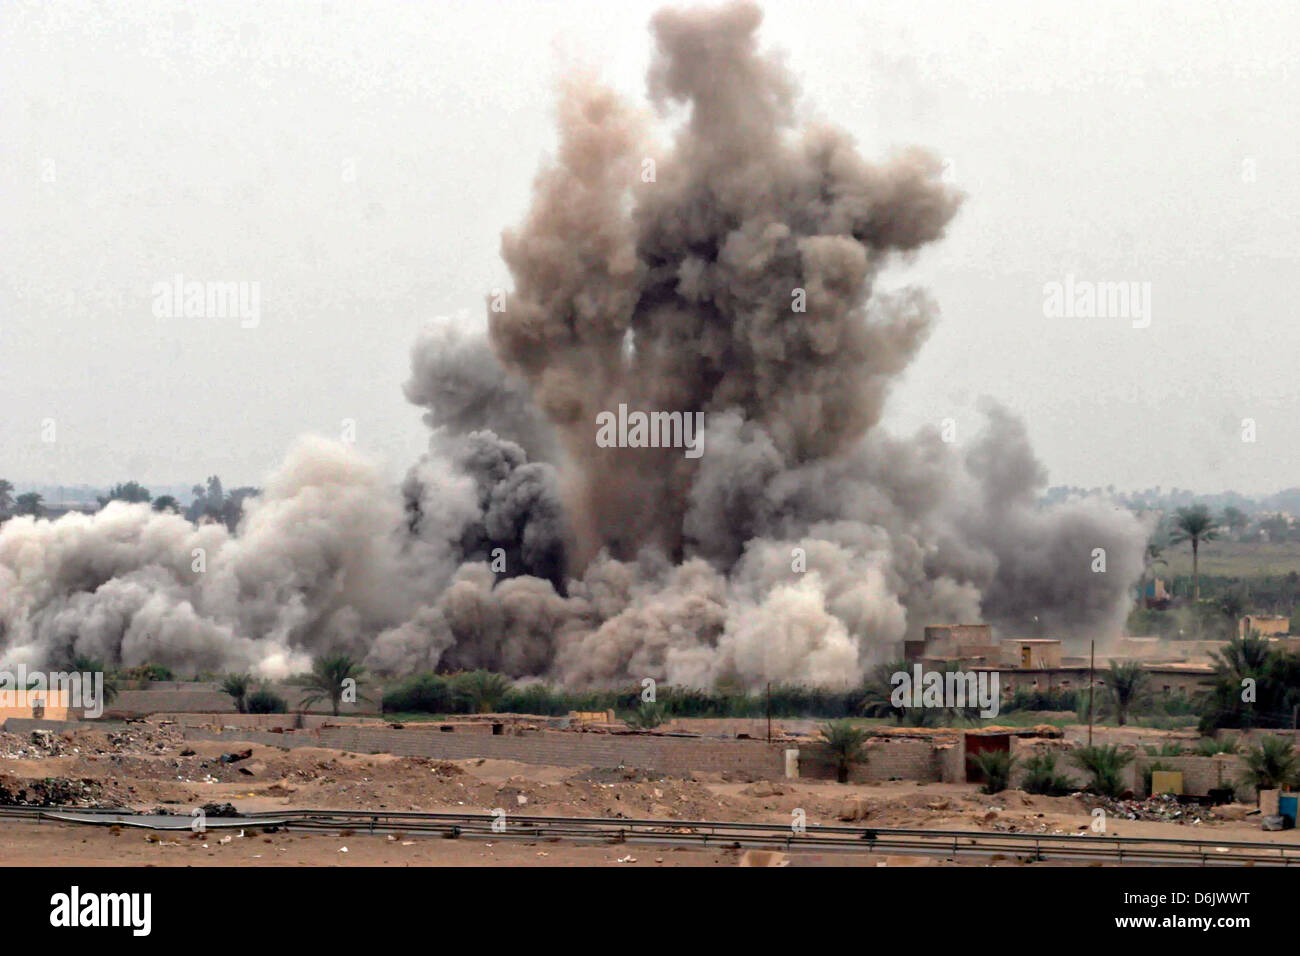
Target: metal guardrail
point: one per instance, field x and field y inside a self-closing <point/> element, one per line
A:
<point x="717" y="833"/>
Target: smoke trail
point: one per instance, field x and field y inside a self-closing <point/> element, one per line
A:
<point x="731" y="272"/>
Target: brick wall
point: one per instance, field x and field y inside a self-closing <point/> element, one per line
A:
<point x="1200" y="774"/>
<point x="671" y="755"/>
<point x="887" y="759"/>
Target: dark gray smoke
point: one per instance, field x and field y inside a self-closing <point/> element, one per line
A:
<point x="731" y="272"/>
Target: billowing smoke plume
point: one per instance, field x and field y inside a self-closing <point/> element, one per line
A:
<point x="731" y="273"/>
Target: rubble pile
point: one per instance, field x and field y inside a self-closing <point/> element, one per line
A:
<point x="1161" y="808"/>
<point x="50" y="792"/>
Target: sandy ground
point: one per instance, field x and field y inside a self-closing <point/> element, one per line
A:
<point x="150" y="767"/>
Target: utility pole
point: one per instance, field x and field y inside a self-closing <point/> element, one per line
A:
<point x="769" y="712"/>
<point x="1092" y="660"/>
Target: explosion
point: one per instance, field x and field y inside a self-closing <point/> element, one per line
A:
<point x="730" y="274"/>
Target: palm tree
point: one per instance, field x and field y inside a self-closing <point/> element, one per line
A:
<point x="1127" y="683"/>
<point x="1272" y="675"/>
<point x="1271" y="765"/>
<point x="237" y="686"/>
<point x="1235" y="519"/>
<point x="166" y="503"/>
<point x="877" y="689"/>
<point x="1104" y="764"/>
<point x="83" y="664"/>
<point x="29" y="504"/>
<point x="847" y="745"/>
<point x="6" y="495"/>
<point x="326" y="680"/>
<point x="481" y="691"/>
<point x="646" y="717"/>
<point x="1194" y="524"/>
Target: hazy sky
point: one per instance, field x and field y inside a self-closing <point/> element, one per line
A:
<point x="359" y="161"/>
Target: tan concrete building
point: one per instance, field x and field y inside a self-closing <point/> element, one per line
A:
<point x="1265" y="625"/>
<point x="972" y="642"/>
<point x="1031" y="653"/>
<point x="1166" y="679"/>
<point x="38" y="705"/>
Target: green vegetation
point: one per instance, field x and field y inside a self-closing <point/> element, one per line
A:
<point x="266" y="701"/>
<point x="482" y="691"/>
<point x="1209" y="747"/>
<point x="1194" y="525"/>
<point x="132" y="492"/>
<point x="1104" y="764"/>
<point x="1254" y="686"/>
<point x="646" y="717"/>
<point x="1127" y="685"/>
<point x="1166" y="749"/>
<point x="1271" y="764"/>
<point x="1052" y="699"/>
<point x="331" y="677"/>
<point x="847" y="744"/>
<point x="146" y="672"/>
<point x="237" y="686"/>
<point x="93" y="665"/>
<point x="1042" y="777"/>
<point x="995" y="766"/>
<point x="442" y="694"/>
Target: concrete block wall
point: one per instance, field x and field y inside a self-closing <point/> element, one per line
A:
<point x="1200" y="774"/>
<point x="264" y="721"/>
<point x="1024" y="748"/>
<point x="1203" y="774"/>
<point x="669" y="755"/>
<point x="887" y="759"/>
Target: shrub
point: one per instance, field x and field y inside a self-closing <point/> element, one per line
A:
<point x="1209" y="747"/>
<point x="424" y="693"/>
<point x="996" y="767"/>
<point x="1166" y="749"/>
<point x="1271" y="764"/>
<point x="147" y="672"/>
<point x="1041" y="776"/>
<point x="646" y="717"/>
<point x="266" y="701"/>
<point x="1104" y="764"/>
<point x="538" y="698"/>
<point x="1053" y="698"/>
